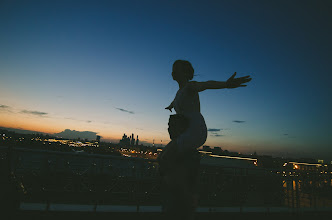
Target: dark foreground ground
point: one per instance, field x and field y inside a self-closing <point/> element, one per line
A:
<point x="37" y="215"/>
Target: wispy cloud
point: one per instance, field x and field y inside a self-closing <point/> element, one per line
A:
<point x="91" y="135"/>
<point x="217" y="135"/>
<point x="214" y="132"/>
<point x="214" y="129"/>
<point x="74" y="119"/>
<point x="288" y="136"/>
<point x="124" y="110"/>
<point x="4" y="107"/>
<point x="37" y="113"/>
<point x="238" y="121"/>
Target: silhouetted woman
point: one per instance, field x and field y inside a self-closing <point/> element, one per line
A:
<point x="179" y="161"/>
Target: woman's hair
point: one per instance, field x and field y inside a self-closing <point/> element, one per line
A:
<point x="185" y="67"/>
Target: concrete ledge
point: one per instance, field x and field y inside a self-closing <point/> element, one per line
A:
<point x="157" y="209"/>
<point x="219" y="209"/>
<point x="316" y="209"/>
<point x="150" y="209"/>
<point x="67" y="215"/>
<point x="71" y="207"/>
<point x="33" y="206"/>
<point x="116" y="208"/>
<point x="255" y="209"/>
<point x="279" y="209"/>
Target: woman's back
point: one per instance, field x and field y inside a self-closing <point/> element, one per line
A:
<point x="186" y="100"/>
<point x="187" y="103"/>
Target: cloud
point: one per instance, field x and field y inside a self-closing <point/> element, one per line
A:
<point x="74" y="119"/>
<point x="37" y="113"/>
<point x="124" y="110"/>
<point x="215" y="132"/>
<point x="22" y="131"/>
<point x="217" y="135"/>
<point x="214" y="129"/>
<point x="73" y="134"/>
<point x="238" y="121"/>
<point x="4" y="107"/>
<point x="288" y="136"/>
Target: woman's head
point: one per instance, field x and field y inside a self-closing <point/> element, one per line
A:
<point x="182" y="70"/>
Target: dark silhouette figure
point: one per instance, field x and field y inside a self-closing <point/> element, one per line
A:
<point x="179" y="161"/>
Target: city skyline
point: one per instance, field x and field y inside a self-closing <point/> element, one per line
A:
<point x="105" y="67"/>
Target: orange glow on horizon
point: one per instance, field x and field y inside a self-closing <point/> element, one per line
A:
<point x="52" y="125"/>
<point x="45" y="125"/>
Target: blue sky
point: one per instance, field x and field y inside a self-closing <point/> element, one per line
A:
<point x="105" y="66"/>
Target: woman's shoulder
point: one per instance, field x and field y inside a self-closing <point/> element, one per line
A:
<point x="192" y="86"/>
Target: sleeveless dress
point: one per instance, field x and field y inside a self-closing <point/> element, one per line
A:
<point x="187" y="102"/>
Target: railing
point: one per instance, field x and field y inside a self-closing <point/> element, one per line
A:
<point x="50" y="177"/>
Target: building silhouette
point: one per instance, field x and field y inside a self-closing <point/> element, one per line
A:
<point x="129" y="140"/>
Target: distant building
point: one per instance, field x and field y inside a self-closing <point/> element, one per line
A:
<point x="98" y="138"/>
<point x="304" y="166"/>
<point x="217" y="150"/>
<point x="132" y="140"/>
<point x="125" y="141"/>
<point x="207" y="148"/>
<point x="129" y="140"/>
<point x="320" y="161"/>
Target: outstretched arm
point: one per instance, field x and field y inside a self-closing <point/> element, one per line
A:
<point x="231" y="83"/>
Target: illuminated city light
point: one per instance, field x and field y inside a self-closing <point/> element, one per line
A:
<point x="205" y="152"/>
<point x="230" y="157"/>
<point x="308" y="164"/>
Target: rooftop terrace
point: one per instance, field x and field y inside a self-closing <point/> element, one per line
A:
<point x="52" y="185"/>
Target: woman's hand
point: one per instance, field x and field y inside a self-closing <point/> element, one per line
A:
<point x="233" y="82"/>
<point x="170" y="107"/>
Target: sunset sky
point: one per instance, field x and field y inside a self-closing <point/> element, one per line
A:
<point x="105" y="67"/>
